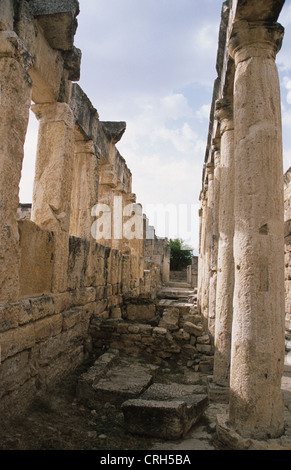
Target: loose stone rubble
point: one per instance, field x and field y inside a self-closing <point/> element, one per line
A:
<point x="77" y="287"/>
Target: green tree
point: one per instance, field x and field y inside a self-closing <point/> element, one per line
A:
<point x="181" y="254"/>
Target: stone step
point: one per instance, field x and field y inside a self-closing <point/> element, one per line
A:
<point x="175" y="293"/>
<point x="126" y="379"/>
<point x="179" y="284"/>
<point x="184" y="307"/>
<point x="164" y="411"/>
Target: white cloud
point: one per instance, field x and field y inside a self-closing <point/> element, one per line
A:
<point x="285" y="17"/>
<point x="203" y="112"/>
<point x="207" y="38"/>
<point x="152" y="64"/>
<point x="286" y="117"/>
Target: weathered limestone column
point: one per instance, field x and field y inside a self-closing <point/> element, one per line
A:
<point x="84" y="189"/>
<point x="105" y="226"/>
<point x="117" y="218"/>
<point x="202" y="251"/>
<point x="53" y="180"/>
<point x="225" y="263"/>
<point x="200" y="256"/>
<point x="256" y="404"/>
<point x="208" y="242"/>
<point x="214" y="235"/>
<point x="15" y="100"/>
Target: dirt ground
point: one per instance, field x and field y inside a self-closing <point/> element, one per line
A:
<point x="56" y="421"/>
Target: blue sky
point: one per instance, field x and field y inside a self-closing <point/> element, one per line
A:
<point x="151" y="63"/>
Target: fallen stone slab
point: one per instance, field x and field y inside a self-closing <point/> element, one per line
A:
<point x="119" y="386"/>
<point x="85" y="392"/>
<point x="125" y="380"/>
<point x="161" y="391"/>
<point x="164" y="411"/>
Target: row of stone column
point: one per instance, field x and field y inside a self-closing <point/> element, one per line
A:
<point x="67" y="174"/>
<point x="242" y="236"/>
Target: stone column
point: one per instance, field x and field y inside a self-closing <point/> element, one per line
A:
<point x="15" y="100"/>
<point x="117" y="217"/>
<point x="201" y="258"/>
<point x="256" y="403"/>
<point x="53" y="180"/>
<point x="84" y="189"/>
<point x="225" y="263"/>
<point x="208" y="242"/>
<point x="106" y="225"/>
<point x="214" y="238"/>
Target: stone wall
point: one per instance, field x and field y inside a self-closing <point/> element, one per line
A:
<point x="70" y="259"/>
<point x="157" y="255"/>
<point x="161" y="332"/>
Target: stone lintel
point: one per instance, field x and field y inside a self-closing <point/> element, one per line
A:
<point x="72" y="63"/>
<point x="86" y="116"/>
<point x="260" y="10"/>
<point x="114" y="130"/>
<point x="130" y="198"/>
<point x="58" y="21"/>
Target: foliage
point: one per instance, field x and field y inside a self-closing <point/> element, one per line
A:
<point x="181" y="254"/>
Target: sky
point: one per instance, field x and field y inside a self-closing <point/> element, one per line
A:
<point x="151" y="63"/>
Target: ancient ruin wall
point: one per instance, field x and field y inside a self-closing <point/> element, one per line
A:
<point x="55" y="276"/>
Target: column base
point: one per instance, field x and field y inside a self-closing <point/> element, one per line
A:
<point x="231" y="440"/>
<point x="217" y="393"/>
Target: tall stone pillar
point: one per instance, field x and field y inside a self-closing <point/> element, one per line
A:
<point x="53" y="180"/>
<point x="15" y="100"/>
<point x="214" y="236"/>
<point x="256" y="403"/>
<point x="200" y="256"/>
<point x="84" y="189"/>
<point x="107" y="226"/>
<point x="202" y="251"/>
<point x="208" y="242"/>
<point x="225" y="263"/>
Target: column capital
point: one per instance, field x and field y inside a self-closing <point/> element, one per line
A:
<point x="215" y="147"/>
<point x="85" y="146"/>
<point x="54" y="112"/>
<point x="210" y="171"/>
<point x="215" y="144"/>
<point x="255" y="39"/>
<point x="224" y="114"/>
